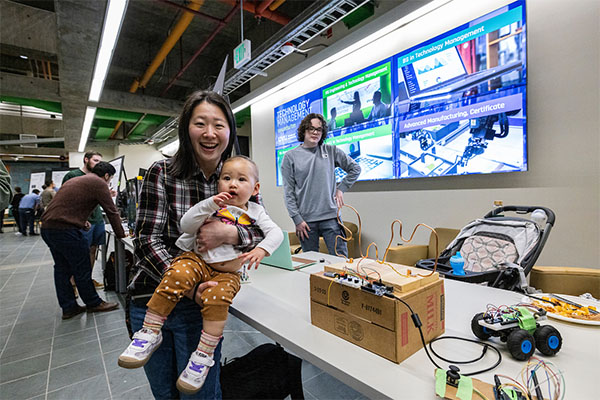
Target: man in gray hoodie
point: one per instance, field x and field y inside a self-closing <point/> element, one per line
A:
<point x="311" y="195"/>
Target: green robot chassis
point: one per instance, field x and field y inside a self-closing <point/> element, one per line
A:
<point x="518" y="327"/>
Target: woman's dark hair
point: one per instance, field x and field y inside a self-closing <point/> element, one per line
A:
<point x="305" y="124"/>
<point x="184" y="161"/>
<point x="103" y="168"/>
<point x="18" y="189"/>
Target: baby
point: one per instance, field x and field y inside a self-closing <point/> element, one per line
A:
<point x="237" y="183"/>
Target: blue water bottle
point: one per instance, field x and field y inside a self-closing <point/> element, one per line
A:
<point x="457" y="263"/>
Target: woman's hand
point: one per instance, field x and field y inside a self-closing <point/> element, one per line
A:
<point x="302" y="230"/>
<point x="215" y="233"/>
<point x="197" y="292"/>
<point x="253" y="257"/>
<point x="339" y="198"/>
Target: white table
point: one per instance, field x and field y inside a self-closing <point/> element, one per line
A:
<point x="277" y="303"/>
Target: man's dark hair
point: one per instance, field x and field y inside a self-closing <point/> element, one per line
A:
<point x="103" y="168"/>
<point x="305" y="124"/>
<point x="36" y="191"/>
<point x="91" y="154"/>
<point x="49" y="182"/>
<point x="18" y="189"/>
<point x="184" y="161"/>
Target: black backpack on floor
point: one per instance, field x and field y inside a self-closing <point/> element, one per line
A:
<point x="267" y="372"/>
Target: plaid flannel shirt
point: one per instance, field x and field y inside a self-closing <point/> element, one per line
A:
<point x="163" y="201"/>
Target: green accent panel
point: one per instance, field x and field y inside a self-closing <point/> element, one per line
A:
<point x="140" y="129"/>
<point x="103" y="133"/>
<point x="152" y="119"/>
<point x="526" y="320"/>
<point x="117" y="115"/>
<point x="43" y="104"/>
<point x="242" y="116"/>
<point x="359" y="15"/>
<point x="103" y="123"/>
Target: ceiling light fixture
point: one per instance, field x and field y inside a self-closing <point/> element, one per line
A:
<point x="16" y="157"/>
<point x="115" y="12"/>
<point x="256" y="96"/>
<point x="289" y="48"/>
<point x="90" y="113"/>
<point x="24" y="57"/>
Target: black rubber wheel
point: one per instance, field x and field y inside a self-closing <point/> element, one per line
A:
<point x="480" y="331"/>
<point x="548" y="340"/>
<point x="520" y="344"/>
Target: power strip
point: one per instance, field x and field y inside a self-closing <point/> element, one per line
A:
<point x="351" y="281"/>
<point x="376" y="288"/>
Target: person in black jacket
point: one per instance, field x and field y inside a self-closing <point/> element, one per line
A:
<point x="15" y="206"/>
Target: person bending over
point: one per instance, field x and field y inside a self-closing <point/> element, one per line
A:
<point x="238" y="181"/>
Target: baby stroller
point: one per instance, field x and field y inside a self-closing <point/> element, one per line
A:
<point x="496" y="249"/>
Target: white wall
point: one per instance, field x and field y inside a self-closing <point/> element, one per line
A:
<point x="563" y="121"/>
<point x="137" y="156"/>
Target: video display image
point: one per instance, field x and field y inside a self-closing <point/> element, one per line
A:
<point x="454" y="104"/>
<point x="460" y="103"/>
<point x="357" y="109"/>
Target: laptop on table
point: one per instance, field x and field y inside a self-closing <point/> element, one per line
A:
<point x="282" y="258"/>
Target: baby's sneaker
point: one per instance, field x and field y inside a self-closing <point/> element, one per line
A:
<point x="144" y="343"/>
<point x="193" y="376"/>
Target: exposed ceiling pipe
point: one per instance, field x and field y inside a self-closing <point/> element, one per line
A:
<point x="270" y="15"/>
<point x="139" y="121"/>
<point x="201" y="49"/>
<point x="184" y="21"/>
<point x="262" y="7"/>
<point x="276" y="4"/>
<point x="31" y="141"/>
<point x="198" y="13"/>
<point x="176" y="33"/>
<point x="44" y="69"/>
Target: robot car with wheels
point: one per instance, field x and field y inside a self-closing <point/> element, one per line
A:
<point x="519" y="328"/>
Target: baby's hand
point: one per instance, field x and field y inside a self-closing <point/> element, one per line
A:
<point x="253" y="257"/>
<point x="221" y="199"/>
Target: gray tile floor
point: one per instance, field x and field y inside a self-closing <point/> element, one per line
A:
<point x="44" y="357"/>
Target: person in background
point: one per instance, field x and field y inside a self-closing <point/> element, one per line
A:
<point x="311" y="195"/>
<point x="97" y="234"/>
<point x="331" y="125"/>
<point x="27" y="208"/>
<point x="47" y="195"/>
<point x="5" y="193"/>
<point x="379" y="109"/>
<point x="170" y="188"/>
<point x="14" y="205"/>
<point x="63" y="225"/>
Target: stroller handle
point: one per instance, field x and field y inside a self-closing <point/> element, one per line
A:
<point x="522" y="210"/>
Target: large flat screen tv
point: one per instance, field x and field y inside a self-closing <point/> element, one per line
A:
<point x="452" y="105"/>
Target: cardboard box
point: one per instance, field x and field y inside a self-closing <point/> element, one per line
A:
<point x="379" y="324"/>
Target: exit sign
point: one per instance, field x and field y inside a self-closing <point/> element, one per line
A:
<point x="241" y="54"/>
